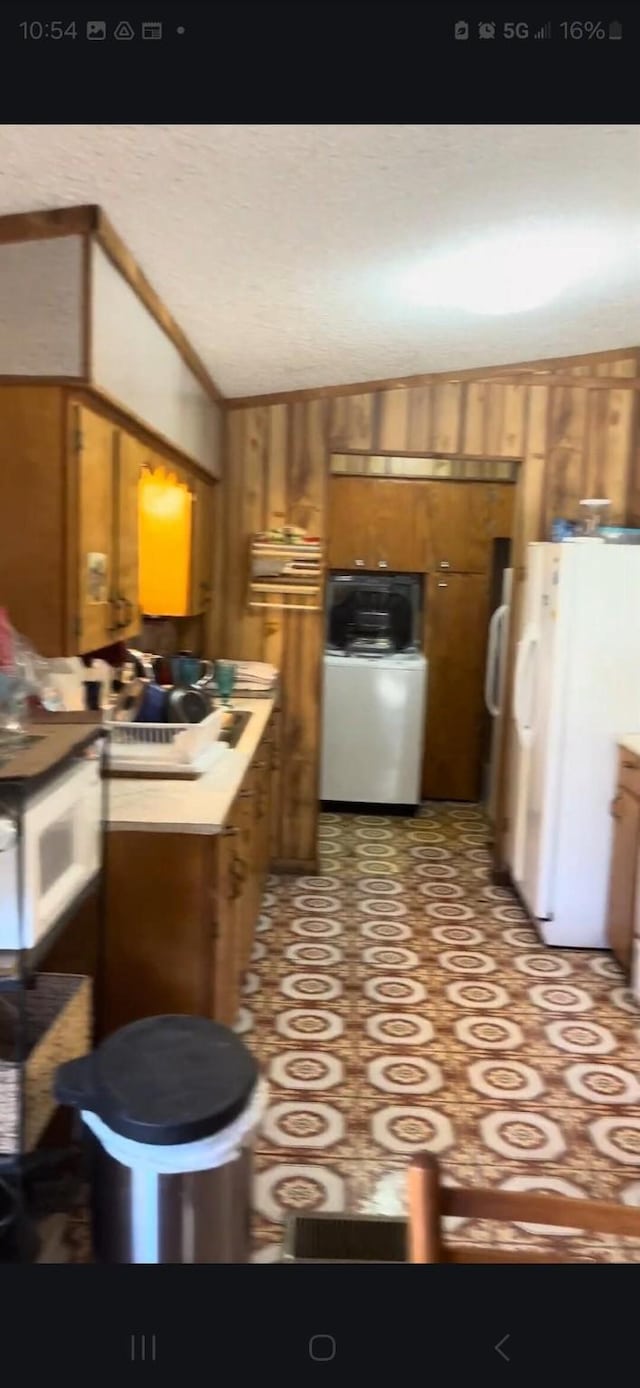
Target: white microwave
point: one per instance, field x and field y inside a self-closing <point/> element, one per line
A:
<point x="61" y="853"/>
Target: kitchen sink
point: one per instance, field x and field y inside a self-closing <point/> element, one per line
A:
<point x="232" y="734"/>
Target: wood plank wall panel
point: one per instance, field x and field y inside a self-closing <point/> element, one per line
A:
<point x="447" y="417"/>
<point x="566" y="445"/>
<point x="351" y="422"/>
<point x="276" y="472"/>
<point x="574" y="440"/>
<point x="607" y="452"/>
<point x="529" y="517"/>
<point x="420" y="415"/>
<point x="393" y="420"/>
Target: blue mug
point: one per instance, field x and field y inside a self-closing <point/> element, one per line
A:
<point x="188" y="669"/>
<point x="153" y="708"/>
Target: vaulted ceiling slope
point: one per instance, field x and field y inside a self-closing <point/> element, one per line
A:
<point x="283" y="251"/>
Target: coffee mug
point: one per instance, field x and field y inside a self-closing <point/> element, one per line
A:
<point x="153" y="708"/>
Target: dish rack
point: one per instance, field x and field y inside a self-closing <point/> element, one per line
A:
<point x="164" y="749"/>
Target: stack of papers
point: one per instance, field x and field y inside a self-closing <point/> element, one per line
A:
<point x="254" y="677"/>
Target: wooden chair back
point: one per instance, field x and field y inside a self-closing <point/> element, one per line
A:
<point x="430" y="1202"/>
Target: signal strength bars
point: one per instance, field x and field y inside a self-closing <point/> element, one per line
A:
<point x="544" y="32"/>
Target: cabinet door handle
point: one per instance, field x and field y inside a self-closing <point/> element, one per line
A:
<point x="359" y="563"/>
<point x="383" y="564"/>
<point x="227" y="833"/>
<point x="442" y="584"/>
<point x="444" y="564"/>
<point x="113" y="614"/>
<point x="128" y="607"/>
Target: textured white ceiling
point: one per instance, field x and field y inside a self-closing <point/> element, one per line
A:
<point x="276" y="247"/>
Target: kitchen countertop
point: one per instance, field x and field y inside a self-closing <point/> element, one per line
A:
<point x="189" y="807"/>
<point x="631" y="743"/>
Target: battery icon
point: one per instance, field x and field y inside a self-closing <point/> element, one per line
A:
<point x="615" y="29"/>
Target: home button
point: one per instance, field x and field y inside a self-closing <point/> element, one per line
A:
<point x="322" y="1348"/>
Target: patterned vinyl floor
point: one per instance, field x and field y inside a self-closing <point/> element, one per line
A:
<point x="399" y="1002"/>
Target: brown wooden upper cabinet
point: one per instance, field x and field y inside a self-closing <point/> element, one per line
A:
<point x="463" y="518"/>
<point x="106" y="465"/>
<point x="203" y="532"/>
<point x="377" y="523"/>
<point x="69" y="507"/>
<point x="416" y="526"/>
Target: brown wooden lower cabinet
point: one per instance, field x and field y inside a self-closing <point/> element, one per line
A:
<point x="457" y="608"/>
<point x="182" y="909"/>
<point x="625" y="851"/>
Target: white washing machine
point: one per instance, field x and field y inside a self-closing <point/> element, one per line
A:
<point x="373" y="720"/>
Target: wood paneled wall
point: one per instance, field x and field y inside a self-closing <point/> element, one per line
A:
<point x="572" y="425"/>
<point x="275" y="470"/>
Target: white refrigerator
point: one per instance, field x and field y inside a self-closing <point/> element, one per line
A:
<point x="576" y="691"/>
<point x="494" y="687"/>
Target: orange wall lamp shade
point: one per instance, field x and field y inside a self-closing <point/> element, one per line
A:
<point x="164" y="520"/>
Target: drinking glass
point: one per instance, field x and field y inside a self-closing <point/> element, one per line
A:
<point x="225" y="678"/>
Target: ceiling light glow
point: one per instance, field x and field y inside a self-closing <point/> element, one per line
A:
<point x="511" y="273"/>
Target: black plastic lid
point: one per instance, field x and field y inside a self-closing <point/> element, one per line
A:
<point x="163" y="1080"/>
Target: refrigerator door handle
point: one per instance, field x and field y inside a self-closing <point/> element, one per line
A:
<point x="525" y="731"/>
<point x="492" y="669"/>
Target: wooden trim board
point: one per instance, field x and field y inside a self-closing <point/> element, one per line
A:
<point x="53" y="221"/>
<point x="86" y="308"/>
<point x="537" y="372"/>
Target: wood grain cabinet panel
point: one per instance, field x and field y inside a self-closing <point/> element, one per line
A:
<point x="459" y="525"/>
<point x="349" y="527"/>
<point x="70" y="467"/>
<point x="131" y="457"/>
<point x="94" y="442"/>
<point x="457" y="637"/>
<point x="223" y="913"/>
<point x="108" y="463"/>
<point x="398" y="524"/>
<point x="33" y="504"/>
<point x="377" y="523"/>
<point x="182" y="910"/>
<point x="202" y="540"/>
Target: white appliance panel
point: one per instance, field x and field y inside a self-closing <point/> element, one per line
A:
<point x="577" y="690"/>
<point x="521" y="709"/>
<point x="495" y="685"/>
<point x="601" y="702"/>
<point x="373" y="728"/>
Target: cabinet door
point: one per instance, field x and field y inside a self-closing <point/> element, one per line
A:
<point x="457" y="619"/>
<point x="397" y="510"/>
<point x="262" y="770"/>
<point x="94" y="442"/>
<point x="202" y="542"/>
<point x="273" y="742"/>
<point x="349" y="527"/>
<point x="225" y="967"/>
<point x="246" y="873"/>
<point x="132" y="456"/>
<point x="459" y="525"/>
<point x="623" y="873"/>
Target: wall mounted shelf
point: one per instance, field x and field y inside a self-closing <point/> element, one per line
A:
<point x="286" y="569"/>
